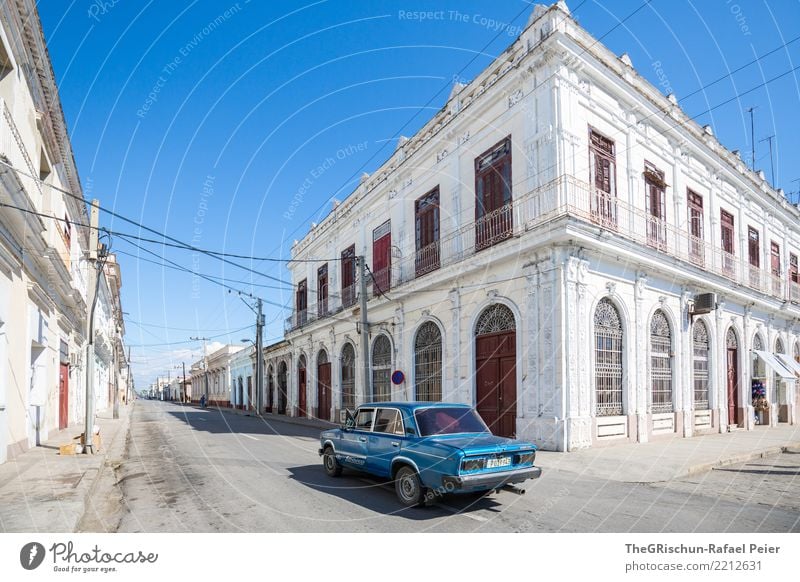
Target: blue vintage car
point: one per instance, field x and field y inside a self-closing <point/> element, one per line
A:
<point x="428" y="449"/>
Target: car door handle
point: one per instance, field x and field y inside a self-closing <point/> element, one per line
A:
<point x="395" y="443"/>
<point x="363" y="439"/>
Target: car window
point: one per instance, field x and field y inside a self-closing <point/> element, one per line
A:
<point x="440" y="420"/>
<point x="388" y="421"/>
<point x="364" y="418"/>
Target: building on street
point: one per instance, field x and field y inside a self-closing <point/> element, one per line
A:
<point x="562" y="247"/>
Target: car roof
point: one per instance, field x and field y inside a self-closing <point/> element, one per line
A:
<point x="413" y="405"/>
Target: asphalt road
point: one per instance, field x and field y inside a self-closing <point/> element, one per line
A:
<point x="192" y="470"/>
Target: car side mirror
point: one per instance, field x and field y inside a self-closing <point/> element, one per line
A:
<point x="410" y="431"/>
<point x="349" y="421"/>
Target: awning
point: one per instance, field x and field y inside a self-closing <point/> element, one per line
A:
<point x="789" y="362"/>
<point x="777" y="367"/>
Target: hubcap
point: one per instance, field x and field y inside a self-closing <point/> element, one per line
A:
<point x="407" y="486"/>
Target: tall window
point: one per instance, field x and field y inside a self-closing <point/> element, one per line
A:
<point x="695" y="204"/>
<point x="270" y="388"/>
<point x="349" y="276"/>
<point x="381" y="369"/>
<point x="608" y="365"/>
<point x="726" y="225"/>
<point x="428" y="363"/>
<point x="794" y="278"/>
<point x="700" y="364"/>
<point x="426" y="210"/>
<point x="322" y="290"/>
<point x="660" y="363"/>
<point x="603" y="176"/>
<point x="655" y="203"/>
<point x="382" y="258"/>
<point x="754" y="256"/>
<point x="348" y="368"/>
<point x="493" y="217"/>
<point x="775" y="267"/>
<point x="301" y="302"/>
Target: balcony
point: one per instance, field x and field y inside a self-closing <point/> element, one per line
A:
<point x="568" y="196"/>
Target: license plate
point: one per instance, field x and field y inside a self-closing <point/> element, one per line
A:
<point x="501" y="462"/>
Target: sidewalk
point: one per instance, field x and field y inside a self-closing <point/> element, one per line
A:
<point x="273" y="417"/>
<point x="674" y="457"/>
<point x="41" y="491"/>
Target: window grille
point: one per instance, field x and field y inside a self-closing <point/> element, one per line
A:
<point x="494" y="319"/>
<point x="428" y="363"/>
<point x="700" y="365"/>
<point x="730" y="340"/>
<point x="348" y="376"/>
<point x="661" y="363"/>
<point x="381" y="369"/>
<point x="608" y="359"/>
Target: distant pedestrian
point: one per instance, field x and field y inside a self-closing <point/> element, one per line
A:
<point x="203" y="401"/>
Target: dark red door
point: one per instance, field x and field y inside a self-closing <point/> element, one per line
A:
<point x="324" y="391"/>
<point x="381" y="259"/>
<point x="733" y="386"/>
<point x="63" y="396"/>
<point x="496" y="379"/>
<point x="301" y="391"/>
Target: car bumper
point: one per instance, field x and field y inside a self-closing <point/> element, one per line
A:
<point x="490" y="480"/>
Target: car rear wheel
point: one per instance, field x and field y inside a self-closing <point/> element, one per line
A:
<point x="408" y="487"/>
<point x="332" y="466"/>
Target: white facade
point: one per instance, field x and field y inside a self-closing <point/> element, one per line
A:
<point x="243" y="379"/>
<point x="595" y="257"/>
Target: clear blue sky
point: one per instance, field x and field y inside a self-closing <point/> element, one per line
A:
<point x="203" y="119"/>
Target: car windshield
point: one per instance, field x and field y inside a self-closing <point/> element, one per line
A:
<point x="432" y="421"/>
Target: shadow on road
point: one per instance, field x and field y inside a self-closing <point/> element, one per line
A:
<point x="217" y="422"/>
<point x="378" y="494"/>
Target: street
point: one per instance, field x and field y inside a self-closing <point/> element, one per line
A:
<point x="192" y="470"/>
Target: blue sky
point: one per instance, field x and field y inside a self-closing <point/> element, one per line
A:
<point x="204" y="119"/>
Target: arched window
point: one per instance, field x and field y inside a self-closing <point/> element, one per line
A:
<point x="730" y="340"/>
<point x="381" y="369"/>
<point x="322" y="357"/>
<point x="494" y="319"/>
<point x="348" y="369"/>
<point x="700" y="364"/>
<point x="778" y="346"/>
<point x="428" y="363"/>
<point x="608" y="367"/>
<point x="270" y="388"/>
<point x="660" y="363"/>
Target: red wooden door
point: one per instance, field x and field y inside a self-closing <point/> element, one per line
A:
<point x="381" y="259"/>
<point x="301" y="392"/>
<point x="324" y="391"/>
<point x="349" y="276"/>
<point x="496" y="382"/>
<point x="63" y="396"/>
<point x="733" y="386"/>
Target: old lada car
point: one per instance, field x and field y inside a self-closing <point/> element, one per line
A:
<point x="427" y="449"/>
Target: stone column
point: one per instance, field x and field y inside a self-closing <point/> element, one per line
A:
<point x="639" y="406"/>
<point x="683" y="364"/>
<point x="459" y="389"/>
<point x="720" y="363"/>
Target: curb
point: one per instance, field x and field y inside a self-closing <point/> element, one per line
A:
<point x="736" y="459"/>
<point x="309" y="422"/>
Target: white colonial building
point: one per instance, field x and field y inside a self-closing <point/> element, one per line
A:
<point x="562" y="247"/>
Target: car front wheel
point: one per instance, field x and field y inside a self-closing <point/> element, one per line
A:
<point x="332" y="466"/>
<point x="408" y="487"/>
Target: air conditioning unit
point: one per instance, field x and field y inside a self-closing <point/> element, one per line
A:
<point x="704" y="303"/>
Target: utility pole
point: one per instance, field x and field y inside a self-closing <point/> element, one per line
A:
<point x="115" y="357"/>
<point x="752" y="138"/>
<point x="362" y="275"/>
<point x="259" y="349"/>
<point x="771" y="161"/>
<point x="205" y="363"/>
<point x="88" y="427"/>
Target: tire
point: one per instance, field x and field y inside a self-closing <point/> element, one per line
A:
<point x="330" y="464"/>
<point x="408" y="487"/>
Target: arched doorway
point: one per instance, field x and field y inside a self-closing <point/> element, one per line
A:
<point x="496" y="369"/>
<point x="282" y="393"/>
<point x="609" y="370"/>
<point x="780" y="388"/>
<point x="240" y="394"/>
<point x="381" y="369"/>
<point x="301" y="386"/>
<point x="270" y="389"/>
<point x="660" y="363"/>
<point x="348" y="376"/>
<point x="323" y="386"/>
<point x="700" y="365"/>
<point x="732" y="350"/>
<point x="428" y="363"/>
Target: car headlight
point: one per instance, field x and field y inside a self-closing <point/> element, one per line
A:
<point x="526" y="458"/>
<point x="473" y="464"/>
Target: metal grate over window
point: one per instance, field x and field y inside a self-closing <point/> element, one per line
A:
<point x="381" y="369"/>
<point x="700" y="365"/>
<point x="428" y="363"/>
<point x="608" y="359"/>
<point x="661" y="363"/>
<point x="348" y="376"/>
<point x="494" y="319"/>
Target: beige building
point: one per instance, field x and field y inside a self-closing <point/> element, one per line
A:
<point x="43" y="241"/>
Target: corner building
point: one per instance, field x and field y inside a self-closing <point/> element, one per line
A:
<point x="562" y="247"/>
